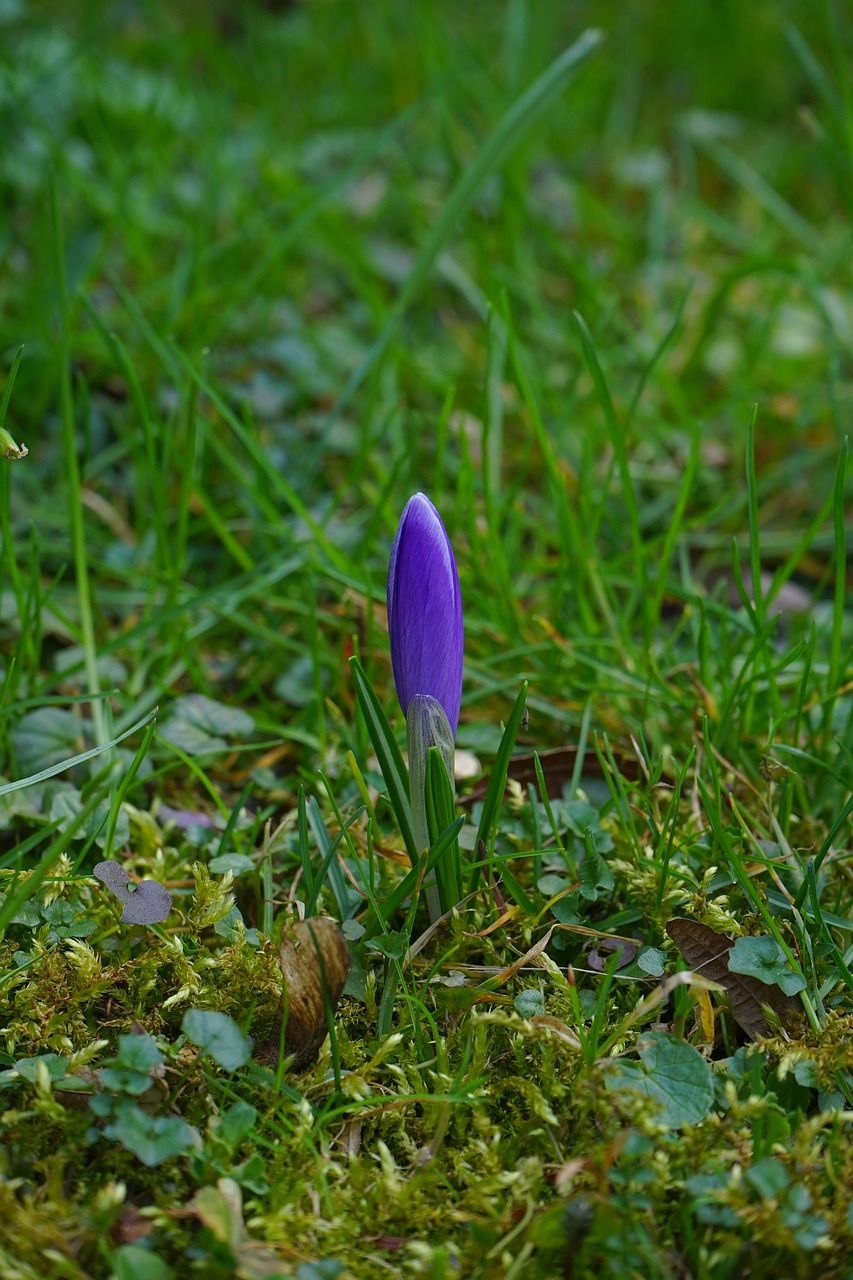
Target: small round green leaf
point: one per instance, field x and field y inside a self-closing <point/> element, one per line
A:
<point x="671" y="1073"/>
<point x="218" y="1035"/>
<point x="131" y="1262"/>
<point x="764" y="959"/>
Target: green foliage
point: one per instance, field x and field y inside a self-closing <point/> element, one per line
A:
<point x="764" y="959"/>
<point x="152" y="1139"/>
<point x="218" y="1035"/>
<point x="133" y="1263"/>
<point x="268" y="269"/>
<point x="201" y="726"/>
<point x="671" y="1073"/>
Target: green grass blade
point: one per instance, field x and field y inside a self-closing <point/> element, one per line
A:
<point x="514" y="125"/>
<point x="72" y="473"/>
<point x="388" y="754"/>
<point x="840" y="593"/>
<point x="620" y="448"/>
<point x="497" y="780"/>
<point x="70" y="763"/>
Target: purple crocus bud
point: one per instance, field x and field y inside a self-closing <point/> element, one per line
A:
<point x="425" y="610"/>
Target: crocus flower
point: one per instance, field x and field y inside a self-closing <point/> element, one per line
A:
<point x="425" y="611"/>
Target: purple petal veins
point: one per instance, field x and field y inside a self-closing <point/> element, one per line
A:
<point x="425" y="610"/>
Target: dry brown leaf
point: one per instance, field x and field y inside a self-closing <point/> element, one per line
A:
<point x="557" y="768"/>
<point x="509" y="914"/>
<point x="536" y="950"/>
<point x="707" y="950"/>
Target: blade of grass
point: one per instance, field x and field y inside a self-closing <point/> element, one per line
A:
<point x="388" y="754"/>
<point x="72" y="472"/>
<point x="510" y="130"/>
<point x="70" y="763"/>
<point x="620" y="451"/>
<point x="497" y="779"/>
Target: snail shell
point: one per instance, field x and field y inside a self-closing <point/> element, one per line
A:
<point x="314" y="954"/>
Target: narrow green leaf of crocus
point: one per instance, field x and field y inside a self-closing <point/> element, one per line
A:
<point x="440" y="813"/>
<point x="426" y="726"/>
<point x="388" y="755"/>
<point x="409" y="883"/>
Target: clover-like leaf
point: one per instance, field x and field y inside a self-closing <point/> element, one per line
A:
<point x="148" y="903"/>
<point x="137" y="1061"/>
<point x="651" y="961"/>
<point x="218" y="1035"/>
<point x="203" y="726"/>
<point x="53" y="1064"/>
<point x="762" y="958"/>
<point x="47" y="736"/>
<point x="529" y="1003"/>
<point x="132" y="1262"/>
<point x="672" y="1074"/>
<point x="152" y="1139"/>
<point x="67" y="804"/>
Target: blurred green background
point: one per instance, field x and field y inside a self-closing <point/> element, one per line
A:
<point x="246" y="193"/>
<point x="267" y="269"/>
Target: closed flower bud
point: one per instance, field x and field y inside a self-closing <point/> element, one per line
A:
<point x="425" y="611"/>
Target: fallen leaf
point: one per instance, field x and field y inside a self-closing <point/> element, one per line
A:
<point x="598" y="962"/>
<point x="536" y="950"/>
<point x="148" y="903"/>
<point x="705" y="949"/>
<point x="557" y="768"/>
<point x="505" y="918"/>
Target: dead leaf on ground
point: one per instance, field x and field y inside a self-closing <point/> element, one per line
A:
<point x="707" y="950"/>
<point x="598" y="962"/>
<point x="148" y="903"/>
<point x="557" y="768"/>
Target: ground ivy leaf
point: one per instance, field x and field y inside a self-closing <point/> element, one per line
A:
<point x="47" y="736"/>
<point x="236" y="863"/>
<point x="595" y="875"/>
<point x="28" y="1068"/>
<point x="139" y="1052"/>
<point x="110" y="670"/>
<point x="236" y="1123"/>
<point x="152" y="1139"/>
<point x="66" y="805"/>
<point x="392" y="945"/>
<point x="768" y="1177"/>
<point x="201" y="725"/>
<point x="762" y="958"/>
<point x="670" y="1072"/>
<point x="132" y="1262"/>
<point x="131" y="1069"/>
<point x="218" y="1035"/>
<point x="233" y="924"/>
<point x="529" y="1002"/>
<point x="651" y="961"/>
